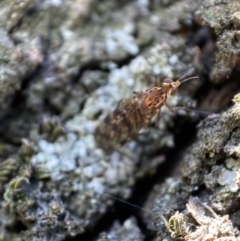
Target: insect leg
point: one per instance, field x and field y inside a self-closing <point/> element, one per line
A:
<point x="199" y="113"/>
<point x="158" y="118"/>
<point x="137" y="92"/>
<point x="158" y="80"/>
<point x="159" y="113"/>
<point x="170" y="108"/>
<point x="126" y="153"/>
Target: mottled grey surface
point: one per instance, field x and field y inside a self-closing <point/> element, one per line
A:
<point x="128" y="231"/>
<point x="223" y="17"/>
<point x="64" y="65"/>
<point x="210" y="170"/>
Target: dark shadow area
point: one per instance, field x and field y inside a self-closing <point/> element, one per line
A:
<point x="16" y="227"/>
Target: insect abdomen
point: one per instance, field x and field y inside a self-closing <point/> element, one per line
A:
<point x="119" y="127"/>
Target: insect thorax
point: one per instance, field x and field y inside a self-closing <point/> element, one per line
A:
<point x="152" y="100"/>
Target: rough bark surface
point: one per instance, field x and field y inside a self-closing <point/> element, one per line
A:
<point x="65" y="65"/>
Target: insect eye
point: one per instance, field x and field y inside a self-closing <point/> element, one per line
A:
<point x="174" y="91"/>
<point x="168" y="80"/>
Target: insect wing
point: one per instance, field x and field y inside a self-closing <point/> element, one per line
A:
<point x="126" y="104"/>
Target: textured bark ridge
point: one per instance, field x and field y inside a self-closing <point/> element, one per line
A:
<point x="64" y="66"/>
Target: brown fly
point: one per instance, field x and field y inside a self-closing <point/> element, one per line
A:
<point x="133" y="114"/>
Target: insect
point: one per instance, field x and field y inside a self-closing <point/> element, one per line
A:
<point x="133" y="114"/>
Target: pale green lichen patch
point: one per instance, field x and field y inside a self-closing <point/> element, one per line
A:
<point x="16" y="63"/>
<point x="57" y="165"/>
<point x="228" y="178"/>
<point x="218" y="135"/>
<point x="127" y="231"/>
<point x="13" y="12"/>
<point x="223" y="17"/>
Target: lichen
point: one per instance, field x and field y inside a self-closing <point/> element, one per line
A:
<point x="13" y="12"/>
<point x="212" y="164"/>
<point x="127" y="231"/>
<point x="208" y="224"/>
<point x="16" y="63"/>
<point x="223" y="17"/>
<point x="62" y="73"/>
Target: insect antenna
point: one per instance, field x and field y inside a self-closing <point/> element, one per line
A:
<point x="188" y="73"/>
<point x="128" y="203"/>
<point x="185" y="80"/>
